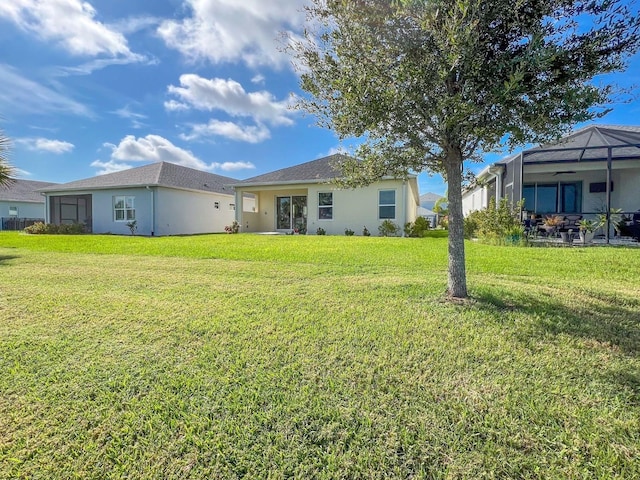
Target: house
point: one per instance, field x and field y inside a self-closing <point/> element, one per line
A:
<point x="591" y="171"/>
<point x="163" y="198"/>
<point x="21" y="204"/>
<point x="303" y="197"/>
<point x="427" y="203"/>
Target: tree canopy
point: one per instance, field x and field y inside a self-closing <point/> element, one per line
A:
<point x="430" y="84"/>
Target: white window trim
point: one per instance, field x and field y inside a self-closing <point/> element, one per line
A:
<point x="332" y="206"/>
<point x="394" y="204"/>
<point x="125" y="209"/>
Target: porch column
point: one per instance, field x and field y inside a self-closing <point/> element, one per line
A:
<point x="609" y="158"/>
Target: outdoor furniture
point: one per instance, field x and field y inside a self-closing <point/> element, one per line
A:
<point x="631" y="228"/>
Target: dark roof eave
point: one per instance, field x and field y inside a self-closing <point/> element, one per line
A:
<point x="303" y="182"/>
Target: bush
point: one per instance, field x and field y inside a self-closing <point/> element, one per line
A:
<point x="40" y="228"/>
<point x="348" y="232"/>
<point x="495" y="223"/>
<point x="233" y="228"/>
<point x="321" y="231"/>
<point x="366" y="232"/>
<point x="388" y="229"/>
<point x="417" y="228"/>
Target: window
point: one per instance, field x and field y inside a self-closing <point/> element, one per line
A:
<point x="325" y="206"/>
<point x="386" y="204"/>
<point x="13" y="211"/>
<point x="123" y="208"/>
<point x="563" y="197"/>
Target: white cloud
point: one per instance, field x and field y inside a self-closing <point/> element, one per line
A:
<point x="258" y="79"/>
<point x="127" y="113"/>
<point x="22" y="95"/>
<point x="233" y="131"/>
<point x="154" y="148"/>
<point x="230" y="97"/>
<point x="233" y="30"/>
<point x="71" y="24"/>
<point x="46" y="145"/>
<point x="234" y="166"/>
<point x="109" y="167"/>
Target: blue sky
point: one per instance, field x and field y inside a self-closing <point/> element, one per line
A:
<point x="96" y="86"/>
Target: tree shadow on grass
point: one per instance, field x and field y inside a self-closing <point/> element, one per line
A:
<point x="605" y="320"/>
<point x="5" y="258"/>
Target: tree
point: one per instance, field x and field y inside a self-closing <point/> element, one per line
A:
<point x="430" y="84"/>
<point x="6" y="170"/>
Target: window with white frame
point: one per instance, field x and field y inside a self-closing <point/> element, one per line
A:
<point x="386" y="204"/>
<point x="13" y="211"/>
<point x="325" y="206"/>
<point x="124" y="208"/>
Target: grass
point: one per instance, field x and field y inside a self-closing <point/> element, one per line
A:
<point x="315" y="357"/>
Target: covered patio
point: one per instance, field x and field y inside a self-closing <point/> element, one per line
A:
<point x="590" y="173"/>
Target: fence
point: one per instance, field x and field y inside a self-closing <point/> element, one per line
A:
<point x="15" y="223"/>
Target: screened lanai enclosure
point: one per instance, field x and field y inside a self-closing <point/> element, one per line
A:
<point x="592" y="172"/>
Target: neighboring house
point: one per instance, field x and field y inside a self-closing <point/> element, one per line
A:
<point x="21" y="204"/>
<point x="303" y="197"/>
<point x="427" y="203"/>
<point x="163" y="199"/>
<point x="590" y="171"/>
<point x="429" y="199"/>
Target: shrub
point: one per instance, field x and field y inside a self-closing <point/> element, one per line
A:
<point x="388" y="229"/>
<point x="321" y="231"/>
<point x="233" y="228"/>
<point x="366" y="232"/>
<point x="496" y="222"/>
<point x="51" y="229"/>
<point x="417" y="228"/>
<point x="348" y="232"/>
<point x="133" y="226"/>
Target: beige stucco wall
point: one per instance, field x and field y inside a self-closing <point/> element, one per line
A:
<point x="352" y="208"/>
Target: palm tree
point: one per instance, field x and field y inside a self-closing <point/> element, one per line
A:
<point x="6" y="170"/>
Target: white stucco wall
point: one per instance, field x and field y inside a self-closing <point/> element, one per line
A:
<point x="473" y="200"/>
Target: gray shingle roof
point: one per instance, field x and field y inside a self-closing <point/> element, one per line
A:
<point x="585" y="142"/>
<point x="161" y="174"/>
<point x="23" y="191"/>
<point x="319" y="170"/>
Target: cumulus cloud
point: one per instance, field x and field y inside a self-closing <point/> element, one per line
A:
<point x="71" y="24"/>
<point x="230" y="130"/>
<point x="229" y="31"/>
<point x="109" y="167"/>
<point x="154" y="148"/>
<point x="46" y="145"/>
<point x="230" y="97"/>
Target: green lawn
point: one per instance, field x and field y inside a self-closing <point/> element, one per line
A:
<point x="245" y="356"/>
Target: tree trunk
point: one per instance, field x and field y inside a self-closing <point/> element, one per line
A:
<point x="457" y="271"/>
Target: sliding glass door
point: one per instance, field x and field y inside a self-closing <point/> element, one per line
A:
<point x="291" y="213"/>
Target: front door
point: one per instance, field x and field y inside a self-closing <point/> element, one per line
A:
<point x="291" y="213"/>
